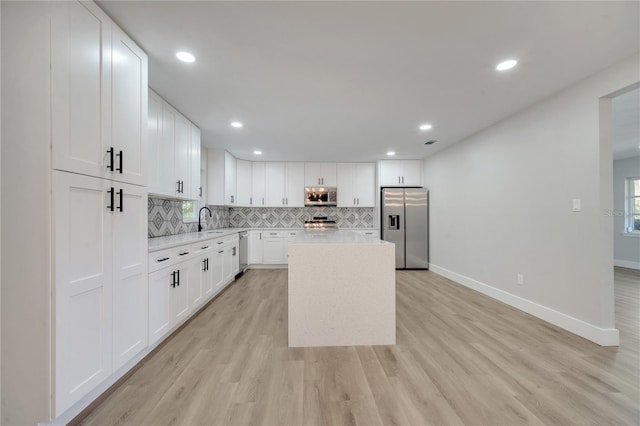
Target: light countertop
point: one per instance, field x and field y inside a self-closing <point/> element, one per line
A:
<point x="161" y="243"/>
<point x="341" y="236"/>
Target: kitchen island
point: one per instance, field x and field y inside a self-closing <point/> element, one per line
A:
<point x="342" y="290"/>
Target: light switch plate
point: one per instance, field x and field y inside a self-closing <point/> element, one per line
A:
<point x="576" y="205"/>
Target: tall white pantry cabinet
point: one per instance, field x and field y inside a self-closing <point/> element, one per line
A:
<point x="77" y="279"/>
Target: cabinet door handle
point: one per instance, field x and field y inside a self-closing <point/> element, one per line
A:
<point x="173" y="279"/>
<point x="283" y="201"/>
<point x="358" y="201"/>
<point x="251" y="201"/>
<point x="182" y="254"/>
<point x="200" y="192"/>
<point x="121" y="196"/>
<point x="204" y="265"/>
<point x="318" y="181"/>
<point x="260" y="235"/>
<point x="110" y="165"/>
<point x="354" y="201"/>
<point x="402" y="179"/>
<point x="182" y="187"/>
<point x="162" y="260"/>
<point x="399" y="179"/>
<point x="233" y="251"/>
<point x="178" y="187"/>
<point x="286" y="201"/>
<point x="111" y="197"/>
<point x="121" y="155"/>
<point x="263" y="201"/>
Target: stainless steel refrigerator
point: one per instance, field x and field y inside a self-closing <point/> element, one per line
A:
<point x="405" y="222"/>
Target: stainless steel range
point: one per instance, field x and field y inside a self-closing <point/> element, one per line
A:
<point x="320" y="222"/>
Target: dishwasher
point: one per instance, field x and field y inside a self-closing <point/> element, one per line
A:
<point x="244" y="251"/>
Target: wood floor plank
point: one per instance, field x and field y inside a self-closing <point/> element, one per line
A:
<point x="460" y="358"/>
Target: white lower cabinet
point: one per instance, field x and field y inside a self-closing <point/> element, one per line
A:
<point x="182" y="279"/>
<point x="160" y="287"/>
<point x="255" y="256"/>
<point x="101" y="292"/>
<point x="273" y="248"/>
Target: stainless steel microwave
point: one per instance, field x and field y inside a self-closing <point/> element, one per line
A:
<point x="320" y="196"/>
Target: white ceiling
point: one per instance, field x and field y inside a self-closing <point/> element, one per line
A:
<point x="349" y="81"/>
<point x="625" y="123"/>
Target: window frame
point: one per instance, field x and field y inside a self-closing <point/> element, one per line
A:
<point x="630" y="210"/>
<point x="195" y="210"/>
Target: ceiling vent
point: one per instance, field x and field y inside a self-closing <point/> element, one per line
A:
<point x="431" y="142"/>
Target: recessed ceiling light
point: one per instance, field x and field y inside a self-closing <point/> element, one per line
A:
<point x="506" y="65"/>
<point x="236" y="124"/>
<point x="185" y="57"/>
<point x="391" y="153"/>
<point x="424" y="127"/>
<point x="256" y="152"/>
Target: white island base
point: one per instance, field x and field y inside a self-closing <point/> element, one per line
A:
<point x="342" y="291"/>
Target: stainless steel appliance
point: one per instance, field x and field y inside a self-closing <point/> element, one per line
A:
<point x="244" y="251"/>
<point x="321" y="196"/>
<point x="405" y="222"/>
<point x="320" y="222"/>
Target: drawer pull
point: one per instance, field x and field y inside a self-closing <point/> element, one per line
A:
<point x="162" y="260"/>
<point x="203" y="248"/>
<point x="182" y="254"/>
<point x="221" y="251"/>
<point x="221" y="242"/>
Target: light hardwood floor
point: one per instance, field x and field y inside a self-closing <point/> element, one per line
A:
<point x="460" y="358"/>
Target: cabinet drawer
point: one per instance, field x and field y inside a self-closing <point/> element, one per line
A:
<point x="272" y="234"/>
<point x="165" y="258"/>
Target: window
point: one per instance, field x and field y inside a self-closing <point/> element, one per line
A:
<point x="190" y="211"/>
<point x="633" y="205"/>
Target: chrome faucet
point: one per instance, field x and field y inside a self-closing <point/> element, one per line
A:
<point x="200" y="217"/>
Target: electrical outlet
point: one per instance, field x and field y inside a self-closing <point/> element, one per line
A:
<point x="520" y="279"/>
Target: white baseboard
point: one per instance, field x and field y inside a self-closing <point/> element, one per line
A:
<point x="601" y="336"/>
<point x="626" y="264"/>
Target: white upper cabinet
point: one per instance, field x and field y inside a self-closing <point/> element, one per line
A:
<point x="174" y="152"/>
<point x="275" y="178"/>
<point x="81" y="88"/>
<point x="294" y="191"/>
<point x="258" y="187"/>
<point x="221" y="178"/>
<point x="400" y="172"/>
<point x="196" y="184"/>
<point x="182" y="155"/>
<point x="229" y="179"/>
<point x="244" y="180"/>
<point x="320" y="174"/>
<point x="129" y="90"/>
<point x="284" y="184"/>
<point x="99" y="96"/>
<point x="160" y="148"/>
<point x="356" y="184"/>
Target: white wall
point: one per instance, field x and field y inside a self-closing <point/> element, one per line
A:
<point x="25" y="227"/>
<point x="626" y="249"/>
<point x="501" y="205"/>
